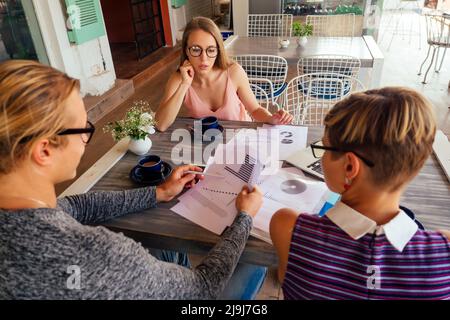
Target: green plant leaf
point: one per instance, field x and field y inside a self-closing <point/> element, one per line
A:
<point x="138" y="119"/>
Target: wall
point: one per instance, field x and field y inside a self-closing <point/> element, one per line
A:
<point x="85" y="61"/>
<point x="118" y="20"/>
<point x="179" y="17"/>
<point x="165" y="12"/>
<point x="240" y="13"/>
<point x="177" y="22"/>
<point x="195" y="8"/>
<point x="444" y="5"/>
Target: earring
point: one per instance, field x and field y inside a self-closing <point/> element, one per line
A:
<point x="348" y="184"/>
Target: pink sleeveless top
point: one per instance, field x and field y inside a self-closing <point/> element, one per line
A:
<point x="232" y="109"/>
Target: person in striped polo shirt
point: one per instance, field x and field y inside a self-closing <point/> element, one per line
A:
<point x="367" y="246"/>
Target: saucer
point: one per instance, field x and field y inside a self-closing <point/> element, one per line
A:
<point x="157" y="180"/>
<point x="209" y="134"/>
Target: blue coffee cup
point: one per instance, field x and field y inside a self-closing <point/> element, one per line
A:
<point x="149" y="167"/>
<point x="209" y="123"/>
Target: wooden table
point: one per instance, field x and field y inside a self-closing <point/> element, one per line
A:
<point x="428" y="196"/>
<point x="364" y="48"/>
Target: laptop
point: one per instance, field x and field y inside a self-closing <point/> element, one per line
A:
<point x="305" y="161"/>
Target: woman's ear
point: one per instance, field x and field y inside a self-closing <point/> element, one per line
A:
<point x="352" y="165"/>
<point x="42" y="152"/>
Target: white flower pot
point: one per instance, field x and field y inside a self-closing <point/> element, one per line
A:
<point x="302" y="41"/>
<point x="140" y="146"/>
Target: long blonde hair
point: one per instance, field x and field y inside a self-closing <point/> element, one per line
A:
<point x="394" y="127"/>
<point x="207" y="25"/>
<point x="32" y="98"/>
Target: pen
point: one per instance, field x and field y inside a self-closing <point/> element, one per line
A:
<point x="204" y="174"/>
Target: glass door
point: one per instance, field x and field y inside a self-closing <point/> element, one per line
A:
<point x="148" y="27"/>
<point x="20" y="36"/>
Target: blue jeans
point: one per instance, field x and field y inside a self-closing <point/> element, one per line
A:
<point x="244" y="284"/>
<point x="171" y="256"/>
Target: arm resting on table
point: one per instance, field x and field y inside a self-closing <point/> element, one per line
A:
<point x="100" y="206"/>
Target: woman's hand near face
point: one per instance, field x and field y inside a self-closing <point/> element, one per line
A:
<point x="177" y="182"/>
<point x="187" y="73"/>
<point x="174" y="95"/>
<point x="281" y="117"/>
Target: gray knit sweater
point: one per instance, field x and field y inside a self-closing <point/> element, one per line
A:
<point x="38" y="248"/>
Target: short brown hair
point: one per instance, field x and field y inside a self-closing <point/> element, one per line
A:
<point x="207" y="25"/>
<point x="32" y="98"/>
<point x="394" y="127"/>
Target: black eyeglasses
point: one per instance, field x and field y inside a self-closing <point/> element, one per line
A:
<point x="318" y="150"/>
<point x="196" y="51"/>
<point x="86" y="133"/>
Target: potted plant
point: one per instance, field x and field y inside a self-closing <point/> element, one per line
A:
<point x="138" y="123"/>
<point x="302" y="31"/>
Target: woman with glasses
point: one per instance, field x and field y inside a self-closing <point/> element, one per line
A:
<point x="208" y="84"/>
<point x="49" y="248"/>
<point x="367" y="246"/>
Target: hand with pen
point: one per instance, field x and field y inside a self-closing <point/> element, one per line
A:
<point x="248" y="201"/>
<point x="181" y="178"/>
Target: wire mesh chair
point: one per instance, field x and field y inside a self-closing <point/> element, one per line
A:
<point x="438" y="36"/>
<point x="309" y="97"/>
<point x="269" y="25"/>
<point x="266" y="71"/>
<point x="333" y="63"/>
<point x="338" y="25"/>
<point x="404" y="20"/>
<point x="263" y="98"/>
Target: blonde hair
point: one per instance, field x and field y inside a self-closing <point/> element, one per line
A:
<point x="393" y="127"/>
<point x="32" y="99"/>
<point x="207" y="25"/>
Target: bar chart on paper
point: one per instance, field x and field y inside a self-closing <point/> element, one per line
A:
<point x="245" y="170"/>
<point x="211" y="203"/>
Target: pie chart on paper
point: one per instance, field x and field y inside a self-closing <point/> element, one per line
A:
<point x="293" y="187"/>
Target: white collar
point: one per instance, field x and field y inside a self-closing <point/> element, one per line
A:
<point x="398" y="231"/>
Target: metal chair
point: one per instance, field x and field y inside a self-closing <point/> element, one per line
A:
<point x="338" y="25"/>
<point x="438" y="36"/>
<point x="263" y="98"/>
<point x="333" y="63"/>
<point x="309" y="97"/>
<point x="269" y="25"/>
<point x="266" y="71"/>
<point x="404" y="20"/>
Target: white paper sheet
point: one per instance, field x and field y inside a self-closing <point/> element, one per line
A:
<point x="294" y="191"/>
<point x="291" y="139"/>
<point x="262" y="219"/>
<point x="211" y="203"/>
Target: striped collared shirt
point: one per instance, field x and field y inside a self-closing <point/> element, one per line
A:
<point x="347" y="256"/>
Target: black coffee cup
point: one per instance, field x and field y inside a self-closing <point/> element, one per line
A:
<point x="149" y="167"/>
<point x="209" y="123"/>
